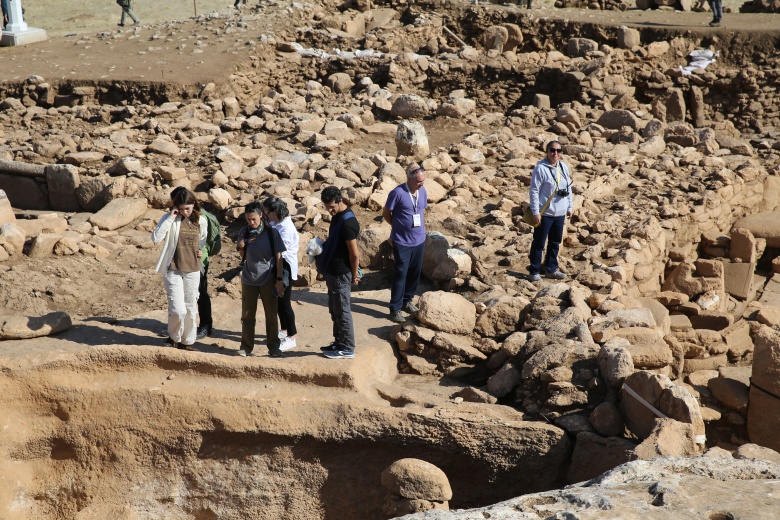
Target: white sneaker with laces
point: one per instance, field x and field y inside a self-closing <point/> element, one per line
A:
<point x="287" y="344"/>
<point x="282" y="334"/>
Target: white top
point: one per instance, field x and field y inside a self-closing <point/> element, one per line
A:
<point x="168" y="229"/>
<point x="291" y="239"/>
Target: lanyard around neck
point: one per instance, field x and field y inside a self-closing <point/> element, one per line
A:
<point x="415" y="198"/>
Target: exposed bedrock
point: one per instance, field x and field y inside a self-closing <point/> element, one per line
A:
<point x="125" y="432"/>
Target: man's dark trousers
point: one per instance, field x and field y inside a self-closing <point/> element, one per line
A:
<point x="406" y="275"/>
<point x="551" y="228"/>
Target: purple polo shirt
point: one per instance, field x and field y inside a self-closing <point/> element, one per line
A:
<point x="400" y="203"/>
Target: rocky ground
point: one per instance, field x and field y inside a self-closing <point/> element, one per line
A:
<point x="673" y="251"/>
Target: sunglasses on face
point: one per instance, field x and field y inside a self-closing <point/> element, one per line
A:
<point x="555" y="150"/>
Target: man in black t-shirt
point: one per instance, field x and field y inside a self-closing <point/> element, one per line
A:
<point x="340" y="272"/>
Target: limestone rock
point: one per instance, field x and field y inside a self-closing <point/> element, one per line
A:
<point x="615" y="362"/>
<point x="414" y="478"/>
<point x="61" y="182"/>
<point x="669" y="438"/>
<point x="502" y="316"/>
<point x="6" y="211"/>
<point x="23" y="327"/>
<point x="339" y="82"/>
<point x="763" y="418"/>
<point x="593" y="455"/>
<point x="698" y="486"/>
<point x="503" y="381"/>
<point x="119" y="213"/>
<point x="447" y="312"/>
<point x="411" y="139"/>
<point x="413" y="485"/>
<point x="616" y="119"/>
<point x="764" y="225"/>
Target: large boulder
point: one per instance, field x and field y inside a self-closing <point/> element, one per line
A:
<point x="764" y="225"/>
<point x="413" y="485"/>
<point x="118" y="213"/>
<point x="642" y="391"/>
<point x="447" y="312"/>
<point x="411" y="139"/>
<point x="410" y="106"/>
<point x="25" y="327"/>
<point x="502" y="315"/>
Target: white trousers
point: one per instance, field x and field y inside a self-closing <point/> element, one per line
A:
<point x="182" y="291"/>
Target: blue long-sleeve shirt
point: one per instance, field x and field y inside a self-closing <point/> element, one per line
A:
<point x="543" y="184"/>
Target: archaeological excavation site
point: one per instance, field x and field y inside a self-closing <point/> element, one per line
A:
<point x="643" y="384"/>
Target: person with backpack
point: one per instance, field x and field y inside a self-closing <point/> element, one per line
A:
<point x="339" y="263"/>
<point x="551" y="203"/>
<point x="184" y="231"/>
<point x="261" y="247"/>
<point x="278" y="217"/>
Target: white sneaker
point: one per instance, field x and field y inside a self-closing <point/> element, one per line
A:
<point x="282" y="334"/>
<point x="287" y="344"/>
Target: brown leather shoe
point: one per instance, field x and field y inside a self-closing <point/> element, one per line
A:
<point x="188" y="348"/>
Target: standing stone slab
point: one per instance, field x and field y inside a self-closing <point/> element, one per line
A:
<point x="62" y="181"/>
<point x="698" y="108"/>
<point x="763" y="418"/>
<point x="24" y="192"/>
<point x="738" y="279"/>
<point x="118" y="213"/>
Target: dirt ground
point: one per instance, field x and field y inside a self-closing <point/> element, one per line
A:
<point x="77" y="48"/>
<point x="197" y="53"/>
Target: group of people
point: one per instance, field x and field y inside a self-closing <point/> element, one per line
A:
<point x="269" y="245"/>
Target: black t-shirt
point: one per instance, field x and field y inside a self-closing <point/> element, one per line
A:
<point x="349" y="231"/>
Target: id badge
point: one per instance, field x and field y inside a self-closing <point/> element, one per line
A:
<point x="416" y="220"/>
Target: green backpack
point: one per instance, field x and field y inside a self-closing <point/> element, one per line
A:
<point x="214" y="234"/>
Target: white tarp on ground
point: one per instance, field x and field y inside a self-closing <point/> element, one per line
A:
<point x="699" y="59"/>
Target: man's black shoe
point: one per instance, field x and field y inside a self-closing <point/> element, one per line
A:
<point x="203" y="332"/>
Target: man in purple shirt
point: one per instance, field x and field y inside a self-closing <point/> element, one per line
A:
<point x="404" y="212"/>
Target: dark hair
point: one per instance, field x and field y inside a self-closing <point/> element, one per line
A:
<point x="277" y="205"/>
<point x="253" y="207"/>
<point x="549" y="145"/>
<point x="182" y="196"/>
<point x="331" y="194"/>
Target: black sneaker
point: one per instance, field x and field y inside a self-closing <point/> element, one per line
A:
<point x="330" y="348"/>
<point x="276" y="354"/>
<point x="169" y="342"/>
<point x="203" y="332"/>
<point x="411" y="308"/>
<point x="340" y="354"/>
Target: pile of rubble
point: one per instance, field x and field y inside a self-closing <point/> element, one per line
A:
<point x="664" y="285"/>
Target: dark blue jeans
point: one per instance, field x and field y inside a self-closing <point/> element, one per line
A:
<point x="551" y="228"/>
<point x="406" y="275"/>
